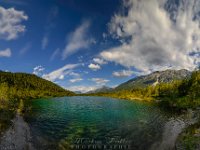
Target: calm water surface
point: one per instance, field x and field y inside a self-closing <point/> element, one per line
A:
<point x="60" y="123"/>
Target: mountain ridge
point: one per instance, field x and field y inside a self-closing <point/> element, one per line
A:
<point x="101" y="90"/>
<point x="153" y="78"/>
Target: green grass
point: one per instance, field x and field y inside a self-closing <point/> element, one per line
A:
<point x="190" y="138"/>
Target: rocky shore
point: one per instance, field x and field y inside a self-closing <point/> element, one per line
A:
<point x="17" y="137"/>
<point x="190" y="137"/>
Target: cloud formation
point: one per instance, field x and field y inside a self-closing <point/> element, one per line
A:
<point x="5" y="53"/>
<point x="74" y="74"/>
<point x="55" y="53"/>
<point x="45" y="42"/>
<point x="38" y="70"/>
<point x="60" y="73"/>
<point x="82" y="88"/>
<point x="25" y="48"/>
<point x="94" y="67"/>
<point x="75" y="80"/>
<point x="122" y="73"/>
<point x="99" y="61"/>
<point x="155" y="35"/>
<point x="100" y="81"/>
<point x="78" y="40"/>
<point x="86" y="88"/>
<point x="10" y="23"/>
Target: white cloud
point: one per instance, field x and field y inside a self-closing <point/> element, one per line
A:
<point x="5" y="53"/>
<point x="74" y="74"/>
<point x="99" y="61"/>
<point x="38" y="70"/>
<point x="150" y="37"/>
<point x="55" y="53"/>
<point x="122" y="73"/>
<point x="45" y="42"/>
<point x="100" y="81"/>
<point x="82" y="89"/>
<point x="60" y="73"/>
<point x="75" y="80"/>
<point x="25" y="49"/>
<point x="94" y="67"/>
<point x="10" y="23"/>
<point x="78" y="40"/>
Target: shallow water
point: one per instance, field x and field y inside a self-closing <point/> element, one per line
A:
<point x="61" y="123"/>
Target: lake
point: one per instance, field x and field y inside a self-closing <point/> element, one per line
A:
<point x="104" y="123"/>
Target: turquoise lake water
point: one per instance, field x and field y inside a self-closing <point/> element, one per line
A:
<point x="71" y="122"/>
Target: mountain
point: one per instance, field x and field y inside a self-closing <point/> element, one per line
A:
<point x="24" y="86"/>
<point x="77" y="92"/>
<point x="154" y="78"/>
<point x="103" y="89"/>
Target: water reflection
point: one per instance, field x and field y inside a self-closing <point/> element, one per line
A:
<point x="57" y="123"/>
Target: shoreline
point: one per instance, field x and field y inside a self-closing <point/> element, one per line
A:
<point x="189" y="138"/>
<point x="173" y="129"/>
<point x="17" y="136"/>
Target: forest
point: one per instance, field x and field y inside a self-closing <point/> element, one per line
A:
<point x="15" y="87"/>
<point x="178" y="94"/>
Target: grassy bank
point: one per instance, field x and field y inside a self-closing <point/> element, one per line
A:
<point x="190" y="138"/>
<point x="7" y="113"/>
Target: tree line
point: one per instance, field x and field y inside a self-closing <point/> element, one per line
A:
<point x="181" y="94"/>
<point x="16" y="86"/>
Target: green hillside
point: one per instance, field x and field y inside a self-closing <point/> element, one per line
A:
<point x="26" y="86"/>
<point x="179" y="93"/>
<point x="19" y="87"/>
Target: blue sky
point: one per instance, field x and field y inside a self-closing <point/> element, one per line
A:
<point x="83" y="45"/>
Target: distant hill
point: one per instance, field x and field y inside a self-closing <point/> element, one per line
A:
<point x="103" y="89"/>
<point x="154" y="78"/>
<point x="23" y="85"/>
<point x="77" y="92"/>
